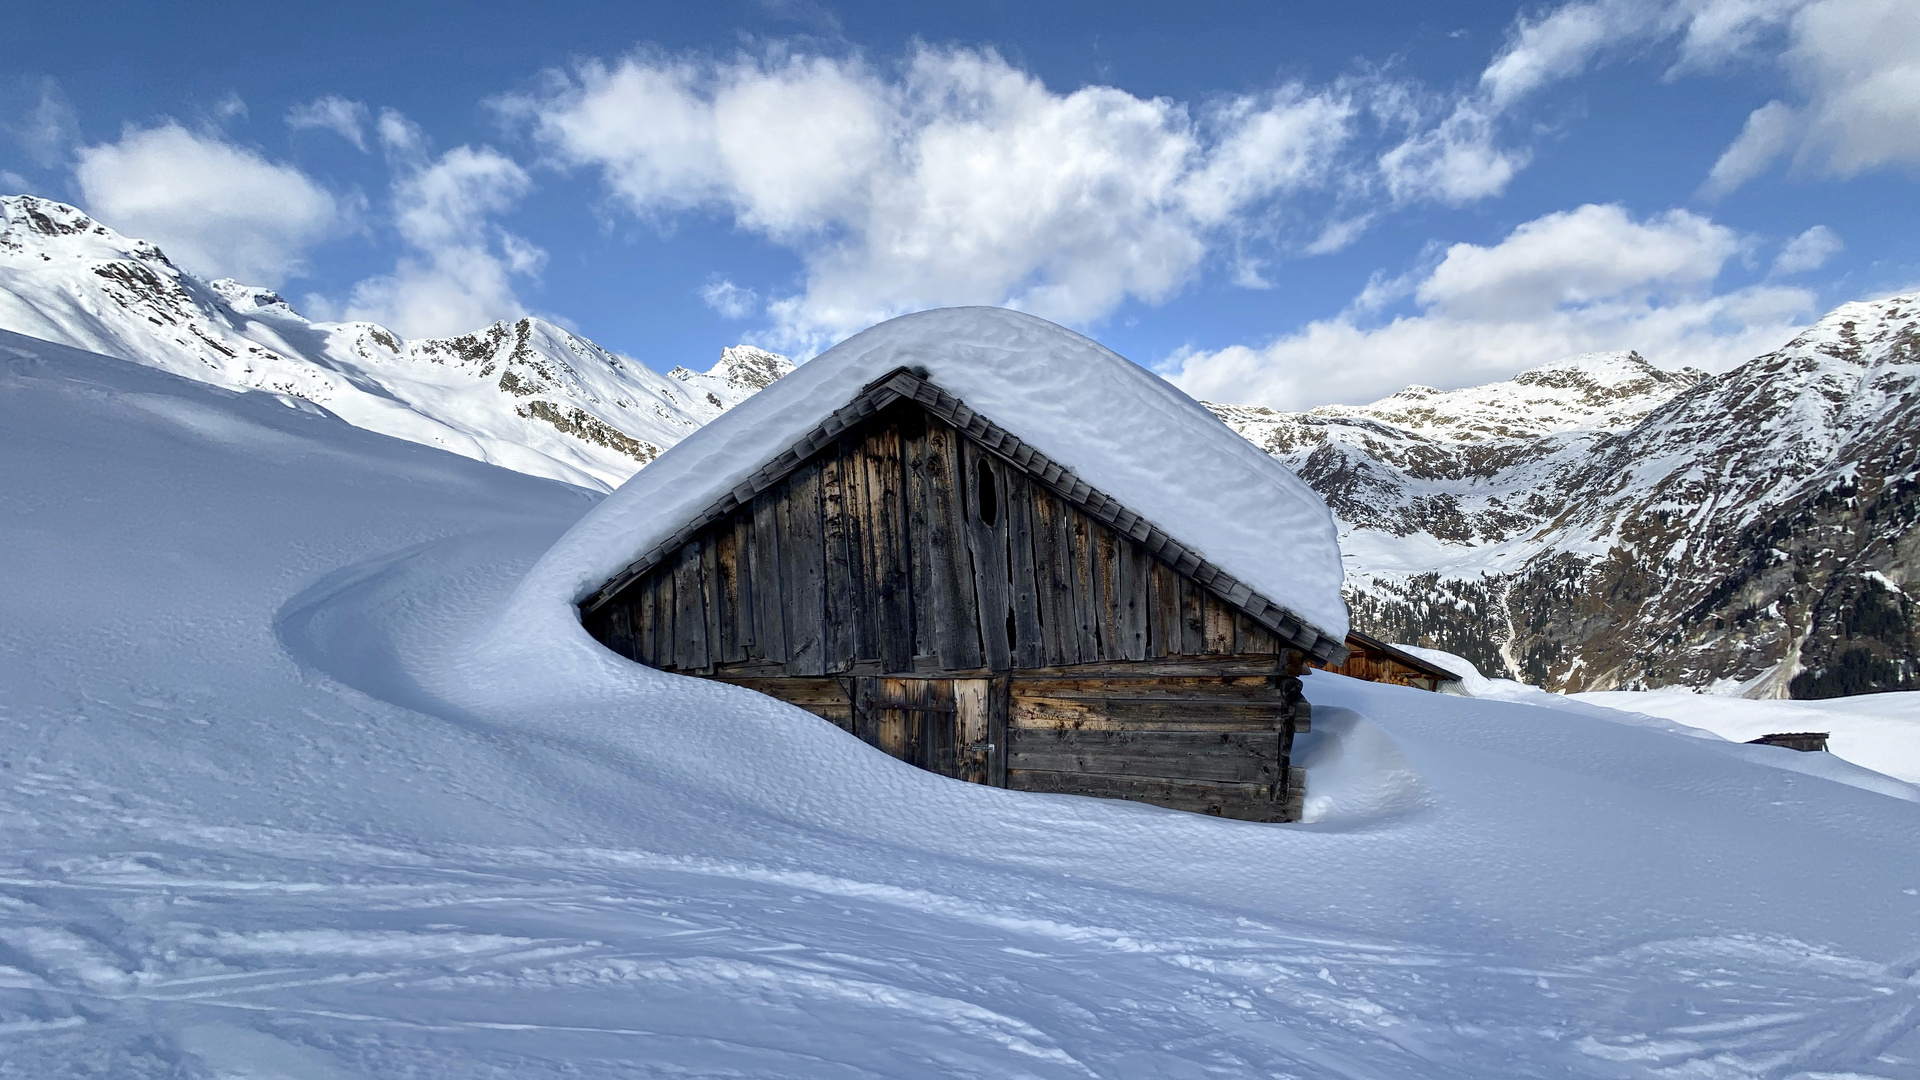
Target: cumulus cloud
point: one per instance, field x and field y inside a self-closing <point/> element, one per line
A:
<point x="956" y="179"/>
<point x="217" y="208"/>
<point x="1455" y="162"/>
<point x="1808" y="251"/>
<point x="1592" y="278"/>
<point x="347" y="119"/>
<point x="459" y="269"/>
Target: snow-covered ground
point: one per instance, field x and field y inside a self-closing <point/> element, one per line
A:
<point x="1880" y="731"/>
<point x="280" y="797"/>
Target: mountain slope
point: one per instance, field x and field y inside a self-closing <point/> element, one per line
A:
<point x="1600" y="524"/>
<point x="525" y="394"/>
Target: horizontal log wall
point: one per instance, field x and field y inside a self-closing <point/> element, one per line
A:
<point x="1212" y="744"/>
<point x="907" y="548"/>
<point x="1210" y="736"/>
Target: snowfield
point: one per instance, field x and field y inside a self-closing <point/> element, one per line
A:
<point x="282" y="795"/>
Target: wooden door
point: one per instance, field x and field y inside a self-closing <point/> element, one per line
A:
<point x="941" y="725"/>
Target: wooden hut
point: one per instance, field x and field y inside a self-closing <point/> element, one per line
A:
<point x="1807" y="742"/>
<point x="1374" y="660"/>
<point x="925" y="579"/>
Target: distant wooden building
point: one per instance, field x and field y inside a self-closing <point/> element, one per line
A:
<point x="920" y="576"/>
<point x="1374" y="660"/>
<point x="1803" y="741"/>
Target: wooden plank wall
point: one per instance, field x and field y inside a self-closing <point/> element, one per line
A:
<point x="1201" y="742"/>
<point x="1373" y="665"/>
<point x="1196" y="741"/>
<point x="908" y="548"/>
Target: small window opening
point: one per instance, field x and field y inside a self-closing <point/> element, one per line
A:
<point x="984" y="490"/>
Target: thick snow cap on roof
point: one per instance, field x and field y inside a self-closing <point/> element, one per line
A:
<point x="1116" y="425"/>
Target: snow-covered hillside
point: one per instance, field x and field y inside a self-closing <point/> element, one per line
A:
<point x="279" y="797"/>
<point x="526" y="394"/>
<point x="1602" y="524"/>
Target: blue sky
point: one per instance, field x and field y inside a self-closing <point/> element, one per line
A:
<point x="1279" y="203"/>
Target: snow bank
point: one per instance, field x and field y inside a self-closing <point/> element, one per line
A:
<point x="1878" y="731"/>
<point x="274" y="801"/>
<point x="1877" y="753"/>
<point x="1118" y="426"/>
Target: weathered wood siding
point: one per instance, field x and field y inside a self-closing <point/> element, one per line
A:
<point x="1368" y="660"/>
<point x="938" y="602"/>
<point x="907" y="548"/>
<point x="1209" y="743"/>
<point x="1181" y="735"/>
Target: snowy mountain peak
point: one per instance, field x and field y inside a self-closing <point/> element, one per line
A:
<point x="254" y="300"/>
<point x="1605" y="391"/>
<point x="742" y="371"/>
<point x="525" y="394"/>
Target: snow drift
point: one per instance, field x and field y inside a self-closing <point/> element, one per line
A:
<point x="275" y="802"/>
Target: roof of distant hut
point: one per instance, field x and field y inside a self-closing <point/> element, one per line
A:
<point x="1125" y="432"/>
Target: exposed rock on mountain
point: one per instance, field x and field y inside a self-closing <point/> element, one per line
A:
<point x="1601" y="524"/>
<point x="524" y="394"/>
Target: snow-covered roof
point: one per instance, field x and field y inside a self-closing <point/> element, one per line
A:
<point x="1114" y="425"/>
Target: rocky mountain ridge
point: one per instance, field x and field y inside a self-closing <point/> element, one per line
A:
<point x="1602" y="524"/>
<point x="525" y="394"/>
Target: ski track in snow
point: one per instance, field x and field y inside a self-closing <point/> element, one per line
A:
<point x="265" y="815"/>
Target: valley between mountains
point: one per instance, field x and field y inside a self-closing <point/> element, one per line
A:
<point x="1599" y="523"/>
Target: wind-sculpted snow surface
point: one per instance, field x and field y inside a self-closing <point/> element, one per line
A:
<point x="1119" y="427"/>
<point x="282" y="795"/>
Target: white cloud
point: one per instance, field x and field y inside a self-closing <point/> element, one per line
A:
<point x="1856" y="65"/>
<point x="1717" y="31"/>
<point x="958" y="179"/>
<point x="217" y="208"/>
<point x="458" y="273"/>
<point x="1560" y="44"/>
<point x="730" y="300"/>
<point x="1859" y="61"/>
<point x="1581" y="280"/>
<point x="1338" y="234"/>
<point x="347" y="119"/>
<point x="230" y="107"/>
<point x="1808" y="251"/>
<point x="1574" y="258"/>
<point x="1455" y="162"/>
<point x="49" y="128"/>
<point x="401" y="137"/>
<point x="1769" y="131"/>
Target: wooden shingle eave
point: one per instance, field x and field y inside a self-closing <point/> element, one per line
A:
<point x="914" y="385"/>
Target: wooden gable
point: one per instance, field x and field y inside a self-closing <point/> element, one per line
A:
<point x="909" y="535"/>
<point x="906" y="547"/>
